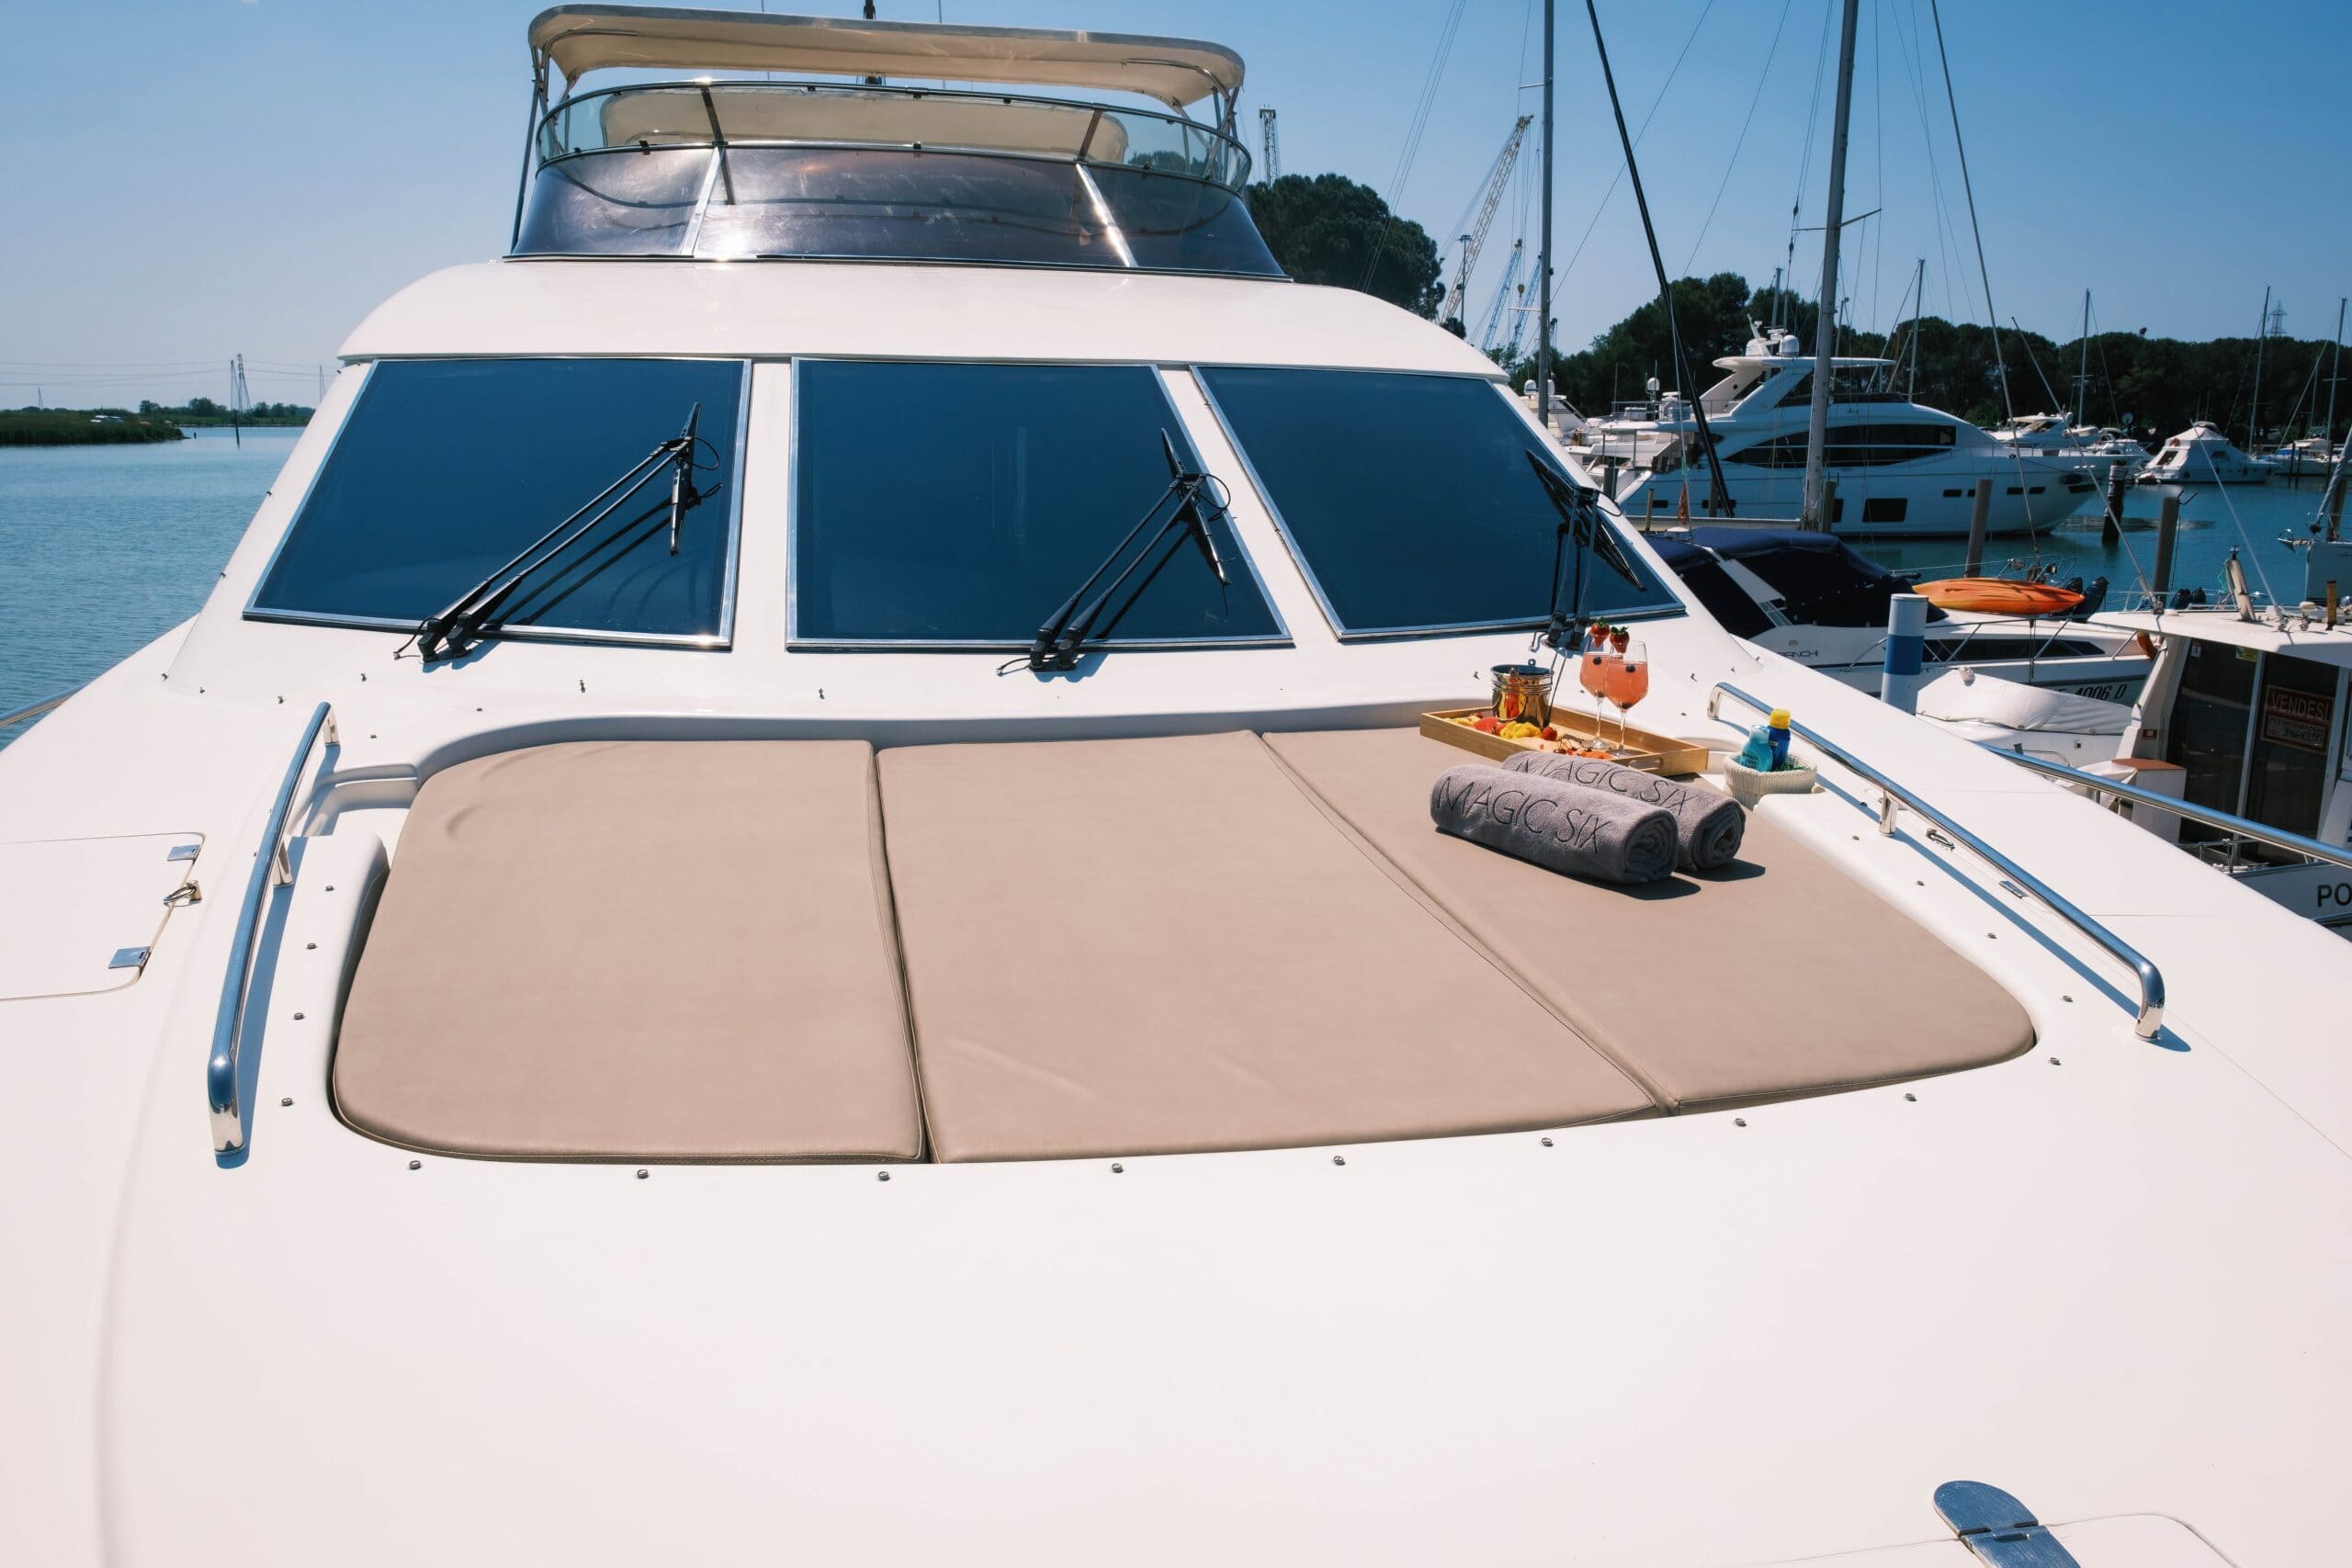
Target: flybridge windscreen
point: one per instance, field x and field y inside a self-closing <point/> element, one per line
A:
<point x="888" y="204"/>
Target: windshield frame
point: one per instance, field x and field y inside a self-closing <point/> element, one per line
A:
<point x="718" y="641"/>
<point x="796" y="642"/>
<point x="1665" y="582"/>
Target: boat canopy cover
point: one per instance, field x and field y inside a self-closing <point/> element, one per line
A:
<point x="1960" y="695"/>
<point x="1821" y="580"/>
<point x="1176" y="71"/>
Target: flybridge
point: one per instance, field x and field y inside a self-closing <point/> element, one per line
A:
<point x="873" y="168"/>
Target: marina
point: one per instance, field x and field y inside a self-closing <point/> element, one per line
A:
<point x="933" y="828"/>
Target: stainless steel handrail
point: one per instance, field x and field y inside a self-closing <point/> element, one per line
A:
<point x="2149" y="1022"/>
<point x="2243" y="827"/>
<point x="270" y="865"/>
<point x="37" y="709"/>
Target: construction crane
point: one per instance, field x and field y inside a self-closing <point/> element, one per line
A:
<point x="1497" y="180"/>
<point x="1274" y="148"/>
<point x="1503" y="301"/>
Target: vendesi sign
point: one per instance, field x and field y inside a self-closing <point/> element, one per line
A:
<point x="2294" y="718"/>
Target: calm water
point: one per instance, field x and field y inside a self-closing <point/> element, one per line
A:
<point x="2212" y="522"/>
<point x="103" y="548"/>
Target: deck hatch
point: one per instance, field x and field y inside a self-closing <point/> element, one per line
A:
<point x="83" y="915"/>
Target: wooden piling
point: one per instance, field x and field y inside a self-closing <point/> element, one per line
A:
<point x="2168" y="526"/>
<point x="1979" y="514"/>
<point x="2110" y="528"/>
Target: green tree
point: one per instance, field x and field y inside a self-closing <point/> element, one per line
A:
<point x="2162" y="383"/>
<point x="1325" y="228"/>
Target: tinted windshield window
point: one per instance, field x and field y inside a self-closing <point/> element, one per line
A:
<point x="1409" y="499"/>
<point x="448" y="469"/>
<point x="963" y="503"/>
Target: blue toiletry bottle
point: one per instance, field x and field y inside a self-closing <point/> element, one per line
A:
<point x="1777" y="734"/>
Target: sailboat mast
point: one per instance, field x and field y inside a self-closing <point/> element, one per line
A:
<point x="2082" y="367"/>
<point x="1825" y="329"/>
<point x="1544" y="263"/>
<point x="2335" y="372"/>
<point x="1919" y="309"/>
<point x="2254" y="414"/>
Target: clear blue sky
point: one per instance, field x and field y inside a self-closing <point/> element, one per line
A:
<point x="184" y="179"/>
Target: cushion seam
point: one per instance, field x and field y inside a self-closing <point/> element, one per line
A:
<point x="1446" y="918"/>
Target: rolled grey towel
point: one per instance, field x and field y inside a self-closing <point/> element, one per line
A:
<point x="1708" y="824"/>
<point x="1558" y="826"/>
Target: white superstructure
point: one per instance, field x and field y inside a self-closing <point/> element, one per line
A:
<point x="740" y="1062"/>
<point x="2201" y="454"/>
<point x="1902" y="469"/>
<point x="2310" y="457"/>
<point x="2055" y="436"/>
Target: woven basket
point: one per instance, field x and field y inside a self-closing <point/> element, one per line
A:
<point x="1747" y="786"/>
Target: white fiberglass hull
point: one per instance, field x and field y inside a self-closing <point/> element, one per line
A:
<point x="1932" y="499"/>
<point x="2228" y="474"/>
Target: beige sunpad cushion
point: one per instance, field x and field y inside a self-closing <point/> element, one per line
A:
<point x="1782" y="977"/>
<point x="1163" y="945"/>
<point x="637" y="950"/>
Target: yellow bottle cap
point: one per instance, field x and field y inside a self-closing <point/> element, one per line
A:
<point x="1779" y="719"/>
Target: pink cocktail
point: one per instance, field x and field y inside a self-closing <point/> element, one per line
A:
<point x="1592" y="674"/>
<point x="1626" y="681"/>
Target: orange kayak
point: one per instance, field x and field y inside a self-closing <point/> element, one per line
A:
<point x="1999" y="596"/>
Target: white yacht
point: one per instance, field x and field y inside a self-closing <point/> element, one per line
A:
<point x="2056" y="437"/>
<point x="2201" y="454"/>
<point x="2237" y="748"/>
<point x="783" y="908"/>
<point x="1902" y="469"/>
<point x="1814" y="598"/>
<point x="2311" y="457"/>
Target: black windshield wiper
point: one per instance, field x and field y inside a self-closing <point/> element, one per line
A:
<point x="1057" y="642"/>
<point x="1580" y="519"/>
<point x="472" y="617"/>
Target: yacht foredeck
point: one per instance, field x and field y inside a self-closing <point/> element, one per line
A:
<point x="739" y="1061"/>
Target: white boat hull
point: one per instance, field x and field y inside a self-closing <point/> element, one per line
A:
<point x="1936" y="497"/>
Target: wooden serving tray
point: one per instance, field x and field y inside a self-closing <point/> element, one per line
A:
<point x="1650" y="751"/>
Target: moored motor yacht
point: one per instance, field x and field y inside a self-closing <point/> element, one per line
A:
<point x="2237" y="747"/>
<point x="2056" y="438"/>
<point x="2201" y="454"/>
<point x="1814" y="599"/>
<point x="1902" y="469"/>
<point x="784" y="905"/>
<point x="2311" y="457"/>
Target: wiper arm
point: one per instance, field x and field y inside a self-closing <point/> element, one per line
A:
<point x="1580" y="519"/>
<point x="1057" y="642"/>
<point x="471" y="617"/>
<point x="684" y="497"/>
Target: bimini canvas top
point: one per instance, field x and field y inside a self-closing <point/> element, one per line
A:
<point x="1176" y="71"/>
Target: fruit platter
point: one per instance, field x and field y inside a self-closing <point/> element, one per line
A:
<point x="1569" y="733"/>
